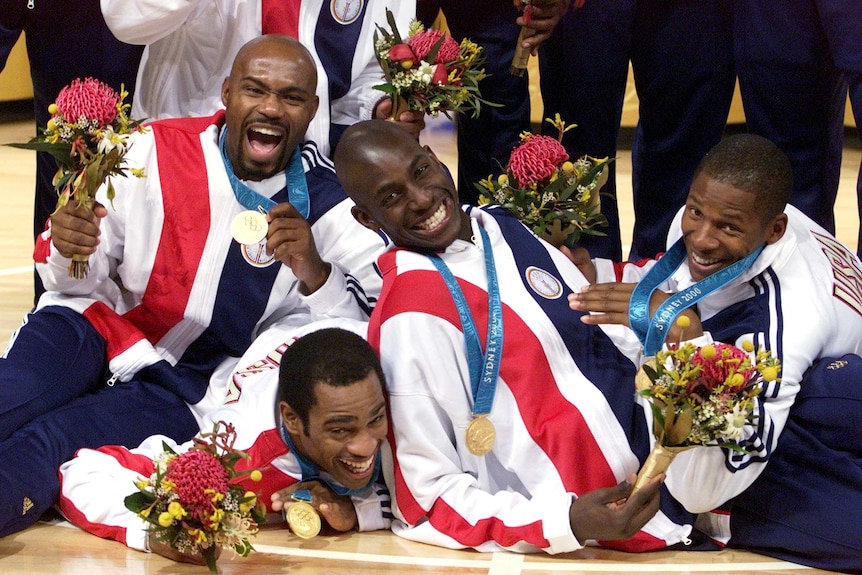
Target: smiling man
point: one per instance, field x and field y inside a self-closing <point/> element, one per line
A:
<point x="323" y="446"/>
<point x="185" y="271"/>
<point x="511" y="427"/>
<point x="786" y="284"/>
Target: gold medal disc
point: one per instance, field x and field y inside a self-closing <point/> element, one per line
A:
<point x="303" y="519"/>
<point x="480" y="436"/>
<point x="249" y="227"/>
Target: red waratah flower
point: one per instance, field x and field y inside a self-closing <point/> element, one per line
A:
<point x="422" y="42"/>
<point x="194" y="472"/>
<point x="727" y="359"/>
<point x="90" y="98"/>
<point x="536" y="158"/>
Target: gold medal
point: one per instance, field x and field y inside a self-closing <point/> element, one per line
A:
<point x="303" y="519"/>
<point x="480" y="435"/>
<point x="249" y="227"/>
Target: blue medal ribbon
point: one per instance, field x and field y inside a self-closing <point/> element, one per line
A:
<point x="484" y="368"/>
<point x="297" y="186"/>
<point x="310" y="471"/>
<point x="651" y="331"/>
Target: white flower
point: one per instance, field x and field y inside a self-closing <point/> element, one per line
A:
<point x="109" y="140"/>
<point x="735" y="423"/>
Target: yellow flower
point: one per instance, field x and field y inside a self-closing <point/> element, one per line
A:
<point x="248" y="505"/>
<point x="683" y="321"/>
<point x="568" y="167"/>
<point x="747" y="346"/>
<point x="708" y="351"/>
<point x="52" y="109"/>
<point x="176" y="510"/>
<point x="255" y="475"/>
<point x="736" y="380"/>
<point x="166" y="519"/>
<point x="770" y="373"/>
<point x="141" y="483"/>
<point x="503" y="179"/>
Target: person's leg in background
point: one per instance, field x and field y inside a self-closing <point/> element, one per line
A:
<point x="583" y="71"/>
<point x="682" y="59"/>
<point x="485" y="142"/>
<point x="793" y="94"/>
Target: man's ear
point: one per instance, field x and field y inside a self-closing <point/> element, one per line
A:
<point x="777" y="228"/>
<point x="290" y="418"/>
<point x="364" y="218"/>
<point x="225" y="90"/>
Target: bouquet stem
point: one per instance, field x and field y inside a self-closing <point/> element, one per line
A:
<point x="658" y="460"/>
<point x="80" y="266"/>
<point x="522" y="55"/>
<point x="399" y="106"/>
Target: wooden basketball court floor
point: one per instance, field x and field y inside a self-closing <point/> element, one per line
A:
<point x="57" y="547"/>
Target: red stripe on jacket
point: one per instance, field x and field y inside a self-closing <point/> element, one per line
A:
<point x="280" y="17"/>
<point x="186" y="198"/>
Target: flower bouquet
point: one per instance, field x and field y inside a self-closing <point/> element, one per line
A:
<point x="556" y="198"/>
<point x="193" y="501"/>
<point x="428" y="70"/>
<point x="88" y="136"/>
<point x="701" y="396"/>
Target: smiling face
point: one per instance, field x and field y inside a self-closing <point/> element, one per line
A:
<point x="346" y="427"/>
<point x="270" y="100"/>
<point x="722" y="224"/>
<point x="400" y="187"/>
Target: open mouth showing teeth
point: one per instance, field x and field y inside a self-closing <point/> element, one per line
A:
<point x="263" y="140"/>
<point x="434" y="220"/>
<point x="703" y="261"/>
<point x="358" y="468"/>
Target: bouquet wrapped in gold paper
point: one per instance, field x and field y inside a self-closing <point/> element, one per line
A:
<point x="428" y="70"/>
<point x="701" y="396"/>
<point x="558" y="199"/>
<point x="522" y="55"/>
<point x="88" y="136"/>
<point x="193" y="501"/>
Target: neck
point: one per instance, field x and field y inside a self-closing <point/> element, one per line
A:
<point x="466" y="232"/>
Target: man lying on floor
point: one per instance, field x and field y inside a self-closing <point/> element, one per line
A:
<point x="323" y="437"/>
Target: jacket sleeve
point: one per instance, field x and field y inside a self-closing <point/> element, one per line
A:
<point x="94" y="484"/>
<point x="354" y="282"/>
<point x="145" y="21"/>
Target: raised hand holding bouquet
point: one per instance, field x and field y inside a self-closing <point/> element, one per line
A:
<point x="701" y="396"/>
<point x="428" y="70"/>
<point x="558" y="199"/>
<point x="88" y="136"/>
<point x="194" y="503"/>
<point x="522" y="54"/>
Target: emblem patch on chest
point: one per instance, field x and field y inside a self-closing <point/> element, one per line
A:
<point x="543" y="283"/>
<point x="256" y="255"/>
<point x="346" y="11"/>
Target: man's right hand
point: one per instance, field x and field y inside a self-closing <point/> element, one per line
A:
<point x="613" y="513"/>
<point x="75" y="230"/>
